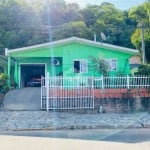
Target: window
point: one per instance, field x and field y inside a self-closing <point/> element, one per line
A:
<point x="112" y="63"/>
<point x="80" y="66"/>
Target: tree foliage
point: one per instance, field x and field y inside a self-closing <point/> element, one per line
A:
<point x="141" y="14"/>
<point x="100" y="65"/>
<point x="24" y="23"/>
<point x="3" y="83"/>
<point x="143" y="70"/>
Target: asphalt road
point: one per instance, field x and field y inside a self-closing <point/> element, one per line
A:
<point x="111" y="135"/>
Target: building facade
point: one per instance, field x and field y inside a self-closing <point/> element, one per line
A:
<point x="67" y="57"/>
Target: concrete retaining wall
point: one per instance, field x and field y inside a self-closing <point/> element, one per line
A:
<point x="122" y="105"/>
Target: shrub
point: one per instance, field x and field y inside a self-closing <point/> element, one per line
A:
<point x="143" y="70"/>
<point x="100" y="65"/>
<point x="3" y="83"/>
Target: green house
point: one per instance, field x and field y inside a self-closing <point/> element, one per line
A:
<point x="67" y="57"/>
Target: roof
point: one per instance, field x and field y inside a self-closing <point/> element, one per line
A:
<point x="77" y="40"/>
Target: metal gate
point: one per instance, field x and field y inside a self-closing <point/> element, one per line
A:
<point x="67" y="93"/>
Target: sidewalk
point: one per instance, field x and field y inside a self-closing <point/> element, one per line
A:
<point x="39" y="120"/>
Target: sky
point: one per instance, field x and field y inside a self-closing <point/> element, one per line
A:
<point x="120" y="4"/>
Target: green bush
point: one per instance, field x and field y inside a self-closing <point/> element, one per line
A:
<point x="100" y="65"/>
<point x="143" y="70"/>
<point x="3" y="83"/>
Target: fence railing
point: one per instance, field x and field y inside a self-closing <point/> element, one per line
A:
<point x="127" y="82"/>
<point x="79" y="92"/>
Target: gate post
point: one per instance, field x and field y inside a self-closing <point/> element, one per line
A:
<point x="42" y="87"/>
<point x="102" y="78"/>
<point x="93" y="92"/>
<point x="128" y="82"/>
<point x="47" y="91"/>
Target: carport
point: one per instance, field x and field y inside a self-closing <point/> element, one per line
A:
<point x="31" y="74"/>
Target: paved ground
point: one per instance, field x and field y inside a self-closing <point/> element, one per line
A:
<point x="22" y="120"/>
<point x="21" y="111"/>
<point x="23" y="99"/>
<point x="21" y="114"/>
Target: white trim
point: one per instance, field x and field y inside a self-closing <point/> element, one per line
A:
<point x="6" y="51"/>
<point x="79" y="40"/>
<point x="45" y="65"/>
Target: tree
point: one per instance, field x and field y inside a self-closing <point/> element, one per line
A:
<point x="24" y="23"/>
<point x="90" y="14"/>
<point x="74" y="28"/>
<point x="142" y="16"/>
<point x="100" y="65"/>
<point x="18" y="24"/>
<point x="112" y="22"/>
<point x="3" y="83"/>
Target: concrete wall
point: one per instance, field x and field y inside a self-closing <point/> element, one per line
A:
<point x="123" y="105"/>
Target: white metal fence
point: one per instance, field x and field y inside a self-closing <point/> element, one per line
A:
<point x="67" y="93"/>
<point x="127" y="82"/>
<point x="78" y="92"/>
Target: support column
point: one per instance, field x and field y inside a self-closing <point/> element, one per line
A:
<point x="16" y="72"/>
<point x="19" y="76"/>
<point x="47" y="91"/>
<point x="8" y="72"/>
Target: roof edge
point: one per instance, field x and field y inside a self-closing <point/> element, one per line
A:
<point x="75" y="39"/>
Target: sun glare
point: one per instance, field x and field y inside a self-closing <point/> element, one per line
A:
<point x="72" y="1"/>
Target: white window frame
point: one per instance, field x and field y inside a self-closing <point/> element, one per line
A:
<point x="111" y="65"/>
<point x="82" y="69"/>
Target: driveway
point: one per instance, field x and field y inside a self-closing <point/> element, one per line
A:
<point x="23" y="99"/>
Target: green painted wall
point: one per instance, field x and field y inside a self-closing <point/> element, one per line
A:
<point x="79" y="51"/>
<point x="69" y="53"/>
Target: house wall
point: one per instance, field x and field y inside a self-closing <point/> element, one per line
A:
<point x="79" y="51"/>
<point x="69" y="53"/>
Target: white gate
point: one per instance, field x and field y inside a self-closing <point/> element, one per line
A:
<point x="67" y="93"/>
